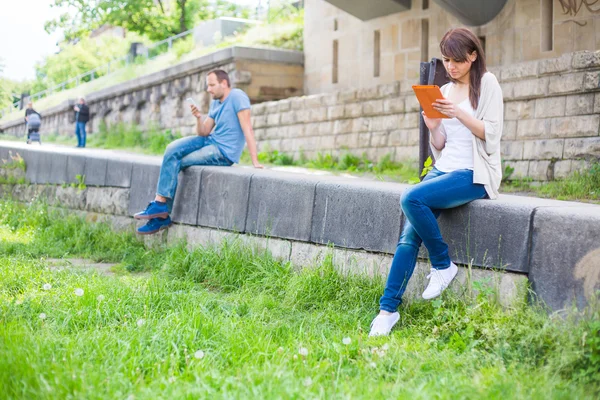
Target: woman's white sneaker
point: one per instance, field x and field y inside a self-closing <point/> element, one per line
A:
<point x="383" y="324"/>
<point x="439" y="279"/>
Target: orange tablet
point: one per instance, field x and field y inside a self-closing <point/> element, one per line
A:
<point x="427" y="95"/>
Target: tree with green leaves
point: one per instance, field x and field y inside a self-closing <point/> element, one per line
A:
<point x="155" y="19"/>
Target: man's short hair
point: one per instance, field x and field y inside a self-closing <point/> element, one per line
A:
<point x="221" y="76"/>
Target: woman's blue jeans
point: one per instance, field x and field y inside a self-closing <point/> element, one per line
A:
<point x="422" y="204"/>
<point x="183" y="153"/>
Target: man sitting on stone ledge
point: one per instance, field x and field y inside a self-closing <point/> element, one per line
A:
<point x="220" y="141"/>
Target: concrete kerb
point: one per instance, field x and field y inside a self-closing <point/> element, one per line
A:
<point x="372" y="223"/>
<point x="144" y="178"/>
<point x="564" y="276"/>
<point x="185" y="208"/>
<point x="95" y="170"/>
<point x="281" y="205"/>
<point x="58" y="174"/>
<point x="224" y="198"/>
<point x="118" y="173"/>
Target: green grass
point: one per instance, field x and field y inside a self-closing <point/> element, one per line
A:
<point x="384" y="169"/>
<point x="581" y="185"/>
<point x="253" y="318"/>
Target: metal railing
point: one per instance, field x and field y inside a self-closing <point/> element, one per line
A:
<point x="103" y="70"/>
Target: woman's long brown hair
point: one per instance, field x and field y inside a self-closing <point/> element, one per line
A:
<point x="458" y="44"/>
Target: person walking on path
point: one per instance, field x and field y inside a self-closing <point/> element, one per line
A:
<point x="82" y="116"/>
<point x="220" y="140"/>
<point x="466" y="147"/>
<point x="33" y="124"/>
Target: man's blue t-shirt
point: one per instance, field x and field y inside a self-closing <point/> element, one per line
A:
<point x="228" y="134"/>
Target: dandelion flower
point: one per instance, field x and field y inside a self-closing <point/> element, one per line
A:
<point x="308" y="381"/>
<point x="199" y="354"/>
<point x="141" y="322"/>
<point x="295" y="356"/>
<point x="42" y="316"/>
<point x="303" y="351"/>
<point x="79" y="292"/>
<point x="280" y="350"/>
<point x="47" y="286"/>
<point x="346" y="341"/>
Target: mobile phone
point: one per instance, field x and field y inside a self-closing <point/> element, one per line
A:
<point x="191" y="101"/>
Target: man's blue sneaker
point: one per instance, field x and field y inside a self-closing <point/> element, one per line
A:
<point x="154" y="225"/>
<point x="154" y="210"/>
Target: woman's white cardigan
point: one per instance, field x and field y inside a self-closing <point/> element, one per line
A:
<point x="487" y="167"/>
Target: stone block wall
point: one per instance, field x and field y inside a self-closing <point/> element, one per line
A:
<point x="158" y="100"/>
<point x="551" y="118"/>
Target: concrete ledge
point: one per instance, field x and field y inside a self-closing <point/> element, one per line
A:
<point x="555" y="242"/>
<point x="281" y="205"/>
<point x="224" y="198"/>
<point x="144" y="178"/>
<point x="185" y="208"/>
<point x="358" y="215"/>
<point x="565" y="255"/>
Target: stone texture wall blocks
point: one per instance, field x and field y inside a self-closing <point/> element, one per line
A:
<point x="342" y="126"/>
<point x="549" y="107"/>
<point x="373" y="107"/>
<point x="591" y="80"/>
<point x="532" y="128"/>
<point x="568" y="83"/>
<point x="273" y="119"/>
<point x="586" y="59"/>
<point x="530" y="88"/>
<point x="554" y="65"/>
<point x="519" y="71"/>
<point x="516" y="110"/>
<point x="512" y="150"/>
<point x="389" y="90"/>
<point x="353" y="110"/>
<point x="582" y="147"/>
<point x="318" y="114"/>
<point x="393" y="106"/>
<point x="335" y="112"/>
<point x="367" y="93"/>
<point x="543" y="149"/>
<point x="288" y="118"/>
<point x="580" y="104"/>
<point x="582" y="125"/>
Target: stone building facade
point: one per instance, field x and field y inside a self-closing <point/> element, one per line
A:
<point x="342" y="52"/>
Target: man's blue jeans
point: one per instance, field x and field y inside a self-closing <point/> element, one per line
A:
<point x="183" y="153"/>
<point x="422" y="204"/>
<point x="80" y="133"/>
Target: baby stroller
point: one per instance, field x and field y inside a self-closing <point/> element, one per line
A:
<point x="34" y="122"/>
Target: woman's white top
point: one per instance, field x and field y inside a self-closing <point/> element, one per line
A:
<point x="458" y="150"/>
<point x="487" y="166"/>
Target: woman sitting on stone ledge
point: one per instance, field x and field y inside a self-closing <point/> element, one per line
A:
<point x="466" y="147"/>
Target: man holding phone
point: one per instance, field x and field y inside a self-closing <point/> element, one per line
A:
<point x="220" y="140"/>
